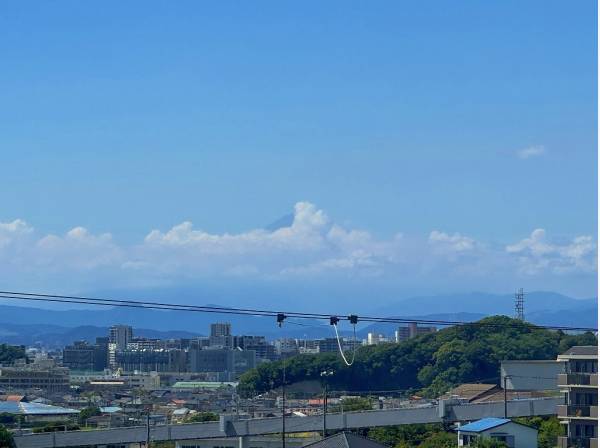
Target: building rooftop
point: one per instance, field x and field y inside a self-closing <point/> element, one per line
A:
<point x="202" y="385"/>
<point x="15" y="407"/>
<point x="110" y="409"/>
<point x="345" y="440"/>
<point x="470" y="391"/>
<point x="581" y="350"/>
<point x="484" y="424"/>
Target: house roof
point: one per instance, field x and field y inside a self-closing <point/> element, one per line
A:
<point x="470" y="391"/>
<point x="202" y="384"/>
<point x="484" y="424"/>
<point x="345" y="440"/>
<point x="15" y="407"/>
<point x="110" y="409"/>
<point x="581" y="350"/>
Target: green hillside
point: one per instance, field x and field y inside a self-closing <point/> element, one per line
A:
<point x="430" y="363"/>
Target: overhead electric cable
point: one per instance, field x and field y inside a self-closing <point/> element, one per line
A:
<point x="260" y="313"/>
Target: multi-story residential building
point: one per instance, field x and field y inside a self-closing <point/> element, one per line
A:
<point x="331" y="345"/>
<point x="148" y="360"/>
<point x="120" y="335"/>
<point x="374" y="339"/>
<point x="286" y="346"/>
<point x="412" y="330"/>
<point x="144" y="344"/>
<point x="85" y="357"/>
<point x="220" y="329"/>
<point x="220" y="335"/>
<point x="259" y="344"/>
<point x="229" y="364"/>
<point x="579" y="414"/>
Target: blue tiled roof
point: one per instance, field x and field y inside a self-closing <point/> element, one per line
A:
<point x="484" y="424"/>
<point x="14" y="407"/>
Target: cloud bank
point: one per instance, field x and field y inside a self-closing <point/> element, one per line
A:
<point x="312" y="248"/>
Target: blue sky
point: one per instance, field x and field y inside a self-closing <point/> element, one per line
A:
<point x="472" y="119"/>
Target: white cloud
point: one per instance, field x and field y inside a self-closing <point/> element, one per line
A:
<point x="456" y="243"/>
<point x="77" y="250"/>
<point x="12" y="231"/>
<point x="311" y="246"/>
<point x="531" y="151"/>
<point x="536" y="254"/>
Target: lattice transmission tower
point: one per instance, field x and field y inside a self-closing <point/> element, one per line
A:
<point x="519" y="304"/>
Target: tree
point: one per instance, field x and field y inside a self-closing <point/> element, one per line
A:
<point x="10" y="353"/>
<point x="57" y="426"/>
<point x="439" y="440"/>
<point x="200" y="417"/>
<point x="88" y="412"/>
<point x="549" y="428"/>
<point x="353" y="404"/>
<point x="6" y="438"/>
<point x="431" y="363"/>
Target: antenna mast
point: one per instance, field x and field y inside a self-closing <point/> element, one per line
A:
<point x="519" y="304"/>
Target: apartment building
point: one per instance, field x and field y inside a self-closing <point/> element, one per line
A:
<point x="579" y="413"/>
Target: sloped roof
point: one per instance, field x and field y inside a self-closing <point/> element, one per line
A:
<point x="582" y="350"/>
<point x="484" y="424"/>
<point x="110" y="409"/>
<point x="15" y="407"/>
<point x="345" y="440"/>
<point x="470" y="391"/>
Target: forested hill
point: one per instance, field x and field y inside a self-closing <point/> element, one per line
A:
<point x="431" y="363"/>
<point x="10" y="353"/>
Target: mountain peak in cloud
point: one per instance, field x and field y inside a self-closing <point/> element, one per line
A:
<point x="280" y="223"/>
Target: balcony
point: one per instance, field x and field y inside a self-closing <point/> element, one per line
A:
<point x="578" y="379"/>
<point x="570" y="442"/>
<point x="577" y="411"/>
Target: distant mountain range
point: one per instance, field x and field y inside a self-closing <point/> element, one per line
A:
<point x="24" y="325"/>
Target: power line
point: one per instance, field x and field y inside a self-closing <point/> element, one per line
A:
<point x="258" y="312"/>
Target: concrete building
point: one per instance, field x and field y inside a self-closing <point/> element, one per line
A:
<point x="286" y="346"/>
<point x="259" y="344"/>
<point x="411" y="330"/>
<point x="375" y="339"/>
<point x="85" y="357"/>
<point x="530" y="374"/>
<point x="148" y="360"/>
<point x="32" y="376"/>
<point x="220" y="335"/>
<point x="579" y="413"/>
<point x="515" y="435"/>
<point x="120" y="335"/>
<point x="220" y="329"/>
<point x="229" y="364"/>
<point x="118" y="338"/>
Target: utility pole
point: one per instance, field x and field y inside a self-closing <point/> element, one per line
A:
<point x="148" y="430"/>
<point x="283" y="407"/>
<point x="280" y="318"/>
<point x="325" y="410"/>
<point x="324" y="375"/>
<point x="506" y="377"/>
